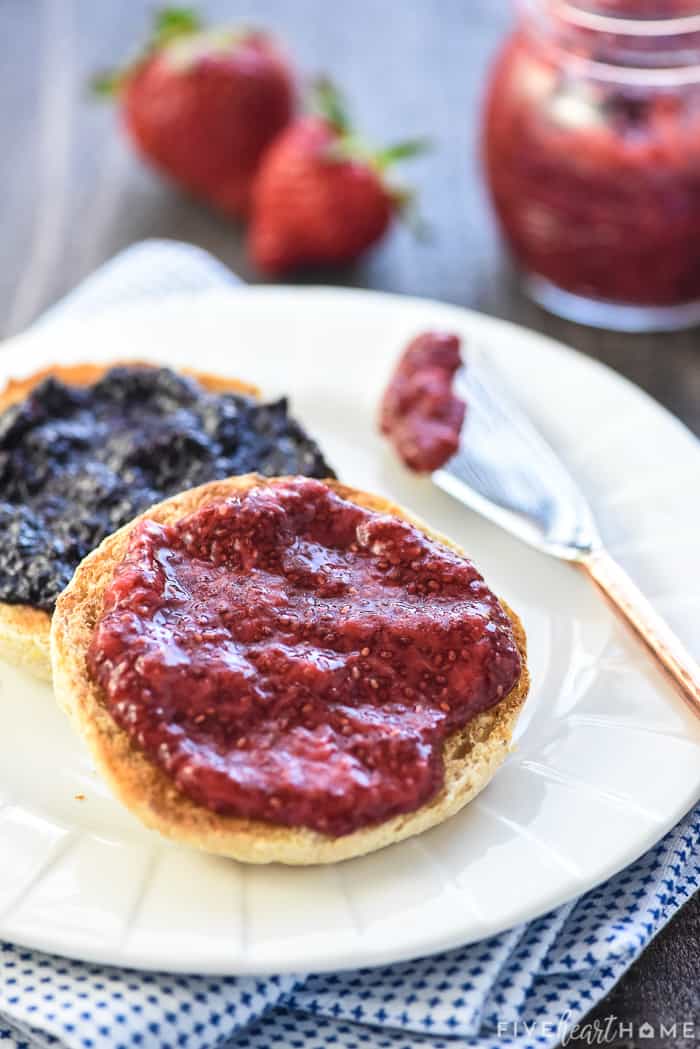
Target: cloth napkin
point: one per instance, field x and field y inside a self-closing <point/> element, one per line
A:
<point x="527" y="988"/>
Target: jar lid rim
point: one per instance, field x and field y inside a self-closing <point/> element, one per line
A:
<point x="578" y="17"/>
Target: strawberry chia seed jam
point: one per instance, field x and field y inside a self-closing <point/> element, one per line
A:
<point x="420" y="413"/>
<point x="592" y="151"/>
<point x="288" y="656"/>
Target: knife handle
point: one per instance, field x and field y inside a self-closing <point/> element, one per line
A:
<point x="656" y="634"/>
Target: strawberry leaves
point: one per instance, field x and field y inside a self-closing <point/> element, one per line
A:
<point x="326" y="101"/>
<point x="412" y="147"/>
<point x="169" y="24"/>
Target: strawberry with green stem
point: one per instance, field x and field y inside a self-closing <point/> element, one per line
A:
<point x="322" y="195"/>
<point x="203" y="104"/>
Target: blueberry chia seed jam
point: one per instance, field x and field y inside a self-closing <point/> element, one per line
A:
<point x="288" y="656"/>
<point x="76" y="463"/>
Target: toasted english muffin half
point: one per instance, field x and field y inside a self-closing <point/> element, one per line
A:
<point x="24" y="630"/>
<point x="471" y="755"/>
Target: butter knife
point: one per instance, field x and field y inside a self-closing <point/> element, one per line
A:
<point x="506" y="471"/>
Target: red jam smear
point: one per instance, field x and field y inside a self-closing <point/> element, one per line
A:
<point x="420" y="413"/>
<point x="291" y="657"/>
<point x="596" y="185"/>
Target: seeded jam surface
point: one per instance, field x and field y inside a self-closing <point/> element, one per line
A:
<point x="76" y="463"/>
<point x="596" y="182"/>
<point x="420" y="413"/>
<point x="288" y="656"/>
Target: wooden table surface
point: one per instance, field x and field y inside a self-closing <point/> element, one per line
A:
<point x="73" y="194"/>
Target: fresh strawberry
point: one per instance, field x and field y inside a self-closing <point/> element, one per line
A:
<point x="203" y="104"/>
<point x="321" y="196"/>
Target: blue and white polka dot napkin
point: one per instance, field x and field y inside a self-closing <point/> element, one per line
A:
<point x="526" y="988"/>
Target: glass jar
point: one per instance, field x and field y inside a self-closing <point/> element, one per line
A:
<point x="592" y="152"/>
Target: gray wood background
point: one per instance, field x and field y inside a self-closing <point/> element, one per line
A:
<point x="73" y="194"/>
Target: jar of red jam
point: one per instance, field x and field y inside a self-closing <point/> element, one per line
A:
<point x="592" y="152"/>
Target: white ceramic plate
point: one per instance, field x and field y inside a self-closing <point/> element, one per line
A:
<point x="607" y="757"/>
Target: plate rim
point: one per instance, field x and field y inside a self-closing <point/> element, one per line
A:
<point x="55" y="323"/>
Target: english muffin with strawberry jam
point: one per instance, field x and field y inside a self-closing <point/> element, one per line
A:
<point x="287" y="670"/>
